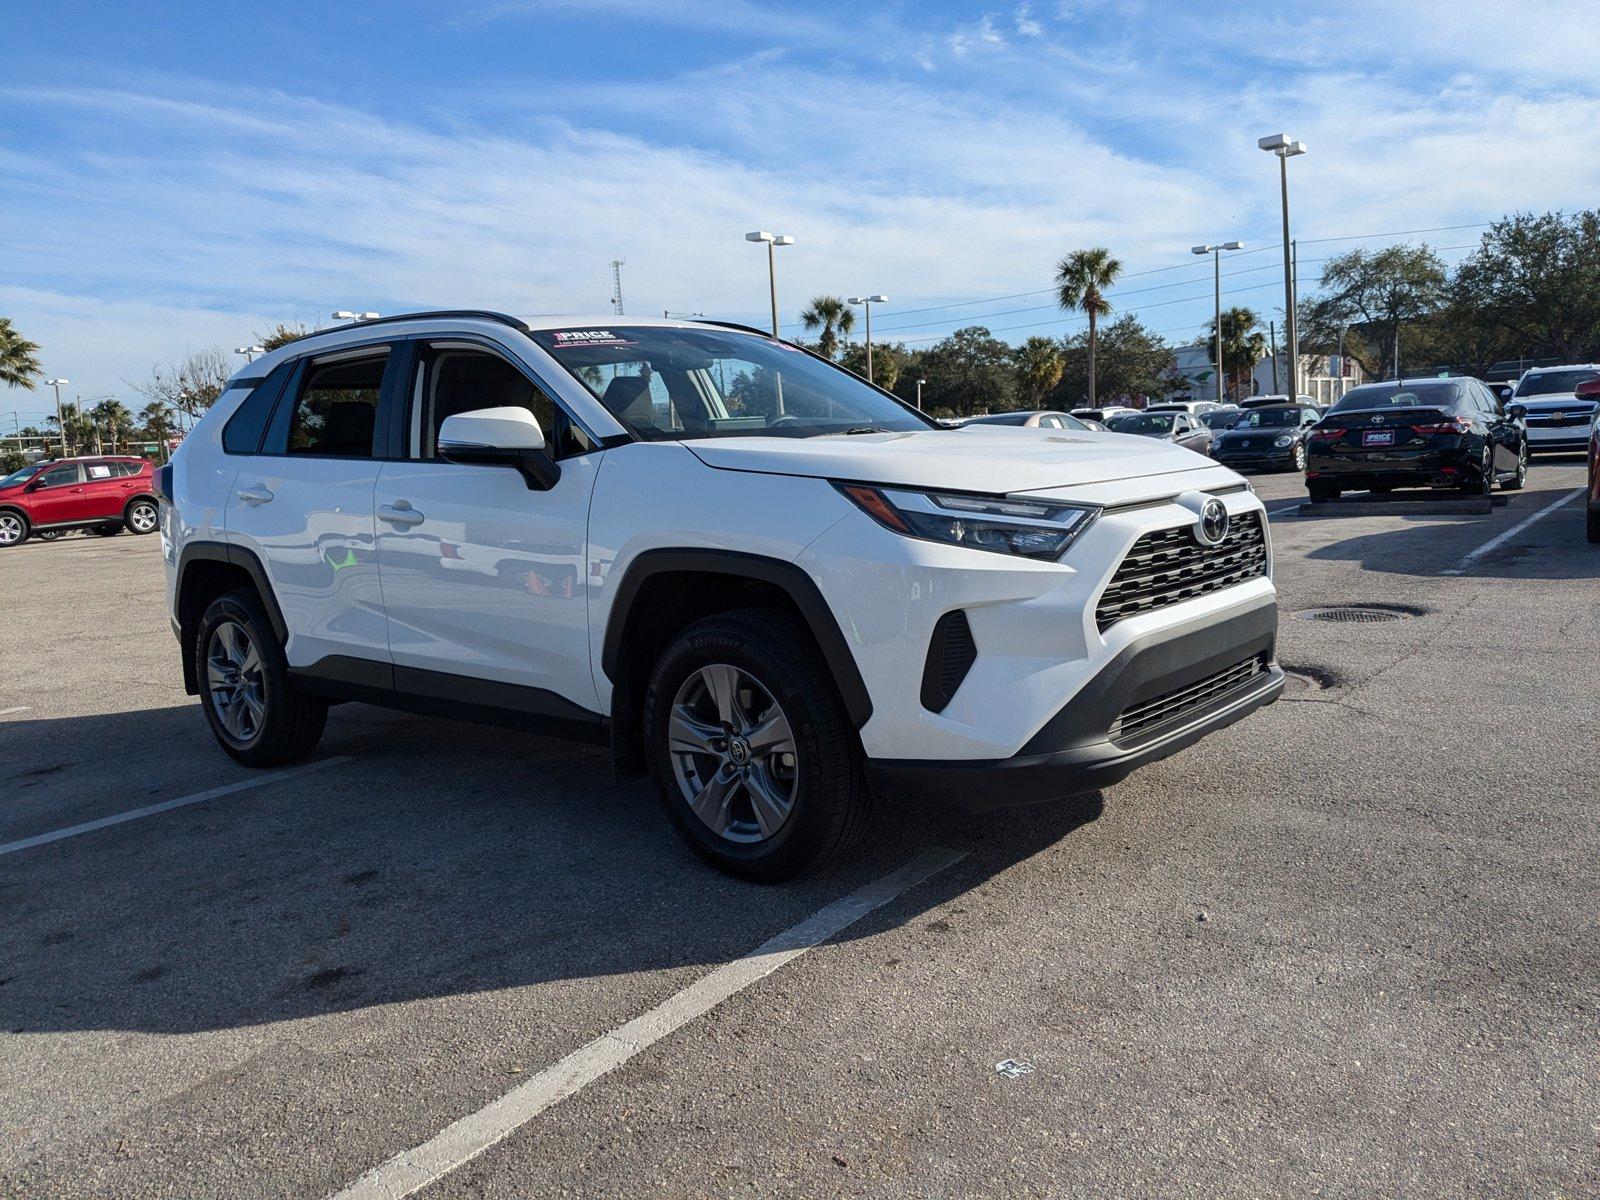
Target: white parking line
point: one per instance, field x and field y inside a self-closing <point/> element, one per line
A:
<point x="1496" y="542"/>
<point x="150" y="810"/>
<point x="469" y="1137"/>
<point x="7" y="712"/>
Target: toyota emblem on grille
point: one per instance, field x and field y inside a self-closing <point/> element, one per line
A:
<point x="1212" y="527"/>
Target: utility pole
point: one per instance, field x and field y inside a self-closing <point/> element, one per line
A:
<point x="616" y="286"/>
<point x="61" y="424"/>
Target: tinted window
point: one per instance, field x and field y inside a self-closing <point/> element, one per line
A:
<point x="64" y="474"/>
<point x="1149" y="424"/>
<point x="1393" y="395"/>
<point x="1019" y="418"/>
<point x="242" y="433"/>
<point x="1268" y="418"/>
<point x="337" y="408"/>
<point x="695" y="383"/>
<point x="1550" y="383"/>
<point x="459" y="381"/>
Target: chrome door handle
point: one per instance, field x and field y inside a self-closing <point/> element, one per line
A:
<point x="399" y="513"/>
<point x="255" y="494"/>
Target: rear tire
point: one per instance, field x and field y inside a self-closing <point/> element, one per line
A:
<point x="717" y="789"/>
<point x="13" y="529"/>
<point x="108" y="530"/>
<point x="1594" y="524"/>
<point x="1321" y="493"/>
<point x="1483" y="484"/>
<point x="142" y="516"/>
<point x="255" y="713"/>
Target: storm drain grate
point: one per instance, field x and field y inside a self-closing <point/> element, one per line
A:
<point x="1356" y="614"/>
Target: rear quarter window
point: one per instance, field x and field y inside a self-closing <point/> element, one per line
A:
<point x="242" y="433"/>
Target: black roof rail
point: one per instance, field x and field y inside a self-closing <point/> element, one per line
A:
<point x="477" y="314"/>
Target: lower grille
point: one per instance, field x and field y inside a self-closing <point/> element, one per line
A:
<point x="1141" y="718"/>
<point x="1169" y="566"/>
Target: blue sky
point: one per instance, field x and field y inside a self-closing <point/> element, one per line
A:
<point x="175" y="176"/>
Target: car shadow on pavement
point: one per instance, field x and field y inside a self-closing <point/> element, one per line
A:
<point x="443" y="859"/>
<point x="1553" y="548"/>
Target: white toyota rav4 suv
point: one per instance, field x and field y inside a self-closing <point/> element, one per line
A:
<point x="779" y="590"/>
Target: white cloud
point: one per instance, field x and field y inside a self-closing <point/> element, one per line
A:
<point x="1022" y="17"/>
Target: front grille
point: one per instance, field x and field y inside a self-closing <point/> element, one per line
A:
<point x="1146" y="715"/>
<point x="1169" y="567"/>
<point x="1560" y="420"/>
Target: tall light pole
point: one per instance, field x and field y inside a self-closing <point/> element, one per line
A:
<point x="867" y="302"/>
<point x="920" y="382"/>
<point x="249" y="352"/>
<point x="772" y="240"/>
<point x="1216" y="261"/>
<point x="58" y="384"/>
<point x="1286" y="148"/>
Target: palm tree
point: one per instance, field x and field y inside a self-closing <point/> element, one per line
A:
<point x="157" y="421"/>
<point x="19" y="358"/>
<point x="1082" y="279"/>
<point x="1040" y="365"/>
<point x="1243" y="346"/>
<point x="833" y="317"/>
<point x="113" y="419"/>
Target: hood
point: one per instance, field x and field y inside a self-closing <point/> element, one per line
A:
<point x="994" y="460"/>
<point x="1555" y="400"/>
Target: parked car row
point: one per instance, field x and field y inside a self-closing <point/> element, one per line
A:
<point x="103" y="493"/>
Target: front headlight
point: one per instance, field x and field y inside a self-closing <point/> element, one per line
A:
<point x="1041" y="529"/>
<point x="1216" y="442"/>
<point x="1283" y="441"/>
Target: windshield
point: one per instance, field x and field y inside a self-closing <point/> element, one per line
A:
<point x="20" y="475"/>
<point x="1220" y="420"/>
<point x="672" y="384"/>
<point x="1395" y="396"/>
<point x="1549" y="383"/>
<point x="1149" y="424"/>
<point x="1269" y="418"/>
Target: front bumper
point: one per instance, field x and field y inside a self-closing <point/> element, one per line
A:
<point x="1211" y="672"/>
<point x="1271" y="459"/>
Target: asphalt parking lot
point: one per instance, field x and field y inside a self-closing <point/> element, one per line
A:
<point x="1348" y="947"/>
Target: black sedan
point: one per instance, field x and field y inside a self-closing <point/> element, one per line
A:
<point x="1176" y="427"/>
<point x="1440" y="433"/>
<point x="1271" y="438"/>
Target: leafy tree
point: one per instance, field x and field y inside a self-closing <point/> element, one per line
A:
<point x="1131" y="361"/>
<point x="1243" y="346"/>
<point x="191" y="386"/>
<point x="832" y="320"/>
<point x="1536" y="279"/>
<point x="19" y="358"/>
<point x="888" y="362"/>
<point x="1082" y="279"/>
<point x="283" y="333"/>
<point x="1040" y="364"/>
<point x="157" y="422"/>
<point x="968" y="372"/>
<point x="1376" y="293"/>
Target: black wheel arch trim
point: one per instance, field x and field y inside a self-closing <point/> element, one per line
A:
<point x="790" y="578"/>
<point x="234" y="556"/>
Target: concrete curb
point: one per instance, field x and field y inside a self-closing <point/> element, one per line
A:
<point x="1471" y="506"/>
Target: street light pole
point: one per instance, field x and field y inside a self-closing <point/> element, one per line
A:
<point x="57" y="384"/>
<point x="920" y="382"/>
<point x="1216" y="261"/>
<point x="249" y="352"/>
<point x="1286" y="148"/>
<point x="867" y="302"/>
<point x="772" y="240"/>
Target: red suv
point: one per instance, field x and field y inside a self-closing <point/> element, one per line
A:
<point x="105" y="494"/>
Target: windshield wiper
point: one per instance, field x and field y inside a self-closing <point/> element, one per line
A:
<point x="865" y="429"/>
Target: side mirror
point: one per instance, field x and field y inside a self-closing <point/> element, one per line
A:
<point x="1588" y="390"/>
<point x="1516" y="411"/>
<point x="500" y="437"/>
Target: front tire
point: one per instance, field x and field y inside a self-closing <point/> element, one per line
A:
<point x="108" y="530"/>
<point x="1517" y="481"/>
<point x="13" y="529"/>
<point x="255" y="713"/>
<point x="753" y="759"/>
<point x="142" y="516"/>
<point x="1594" y="524"/>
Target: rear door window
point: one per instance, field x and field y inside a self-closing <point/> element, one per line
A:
<point x="62" y="476"/>
<point x="336" y="407"/>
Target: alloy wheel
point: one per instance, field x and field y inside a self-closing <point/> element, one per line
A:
<point x="733" y="754"/>
<point x="10" y="529"/>
<point x="235" y="680"/>
<point x="142" y="517"/>
<point x="1522" y="465"/>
